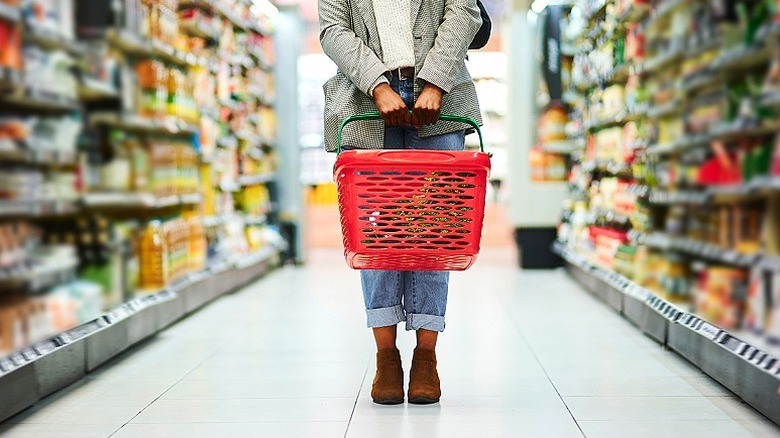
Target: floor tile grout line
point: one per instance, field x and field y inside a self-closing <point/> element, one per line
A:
<point x="357" y="399"/>
<point x="193" y="368"/>
<point x="506" y="308"/>
<point x="163" y="393"/>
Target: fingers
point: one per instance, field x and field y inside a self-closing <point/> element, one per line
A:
<point x="395" y="112"/>
<point x="425" y="115"/>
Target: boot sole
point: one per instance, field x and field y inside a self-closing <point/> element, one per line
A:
<point x="423" y="401"/>
<point x="388" y="402"/>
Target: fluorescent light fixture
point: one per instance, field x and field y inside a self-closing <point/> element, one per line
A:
<point x="264" y="7"/>
<point x="539" y="5"/>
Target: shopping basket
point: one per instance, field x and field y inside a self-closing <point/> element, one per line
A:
<point x="411" y="210"/>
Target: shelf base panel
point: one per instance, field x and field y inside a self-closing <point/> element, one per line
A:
<point x="99" y="341"/>
<point x="714" y="351"/>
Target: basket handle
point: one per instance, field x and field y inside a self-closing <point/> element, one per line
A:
<point x="446" y="117"/>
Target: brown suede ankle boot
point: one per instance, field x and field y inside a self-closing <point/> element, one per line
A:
<point x="424" y="385"/>
<point x="388" y="388"/>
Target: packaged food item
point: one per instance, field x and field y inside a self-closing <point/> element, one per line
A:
<point x="772" y="328"/>
<point x="154" y="83"/>
<point x="756" y="309"/>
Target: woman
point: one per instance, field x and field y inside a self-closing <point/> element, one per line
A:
<point x="404" y="59"/>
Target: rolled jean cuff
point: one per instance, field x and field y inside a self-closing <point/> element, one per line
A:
<point x="385" y="316"/>
<point x="416" y="321"/>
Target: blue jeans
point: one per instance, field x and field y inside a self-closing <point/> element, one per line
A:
<point x="419" y="298"/>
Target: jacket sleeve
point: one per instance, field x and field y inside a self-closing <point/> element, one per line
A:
<point x="461" y="22"/>
<point x="352" y="56"/>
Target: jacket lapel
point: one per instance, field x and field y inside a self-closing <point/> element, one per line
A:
<point x="366" y="8"/>
<point x="415" y="8"/>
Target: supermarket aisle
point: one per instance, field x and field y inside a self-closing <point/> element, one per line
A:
<point x="525" y="354"/>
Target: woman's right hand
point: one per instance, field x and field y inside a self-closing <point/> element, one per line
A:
<point x="391" y="106"/>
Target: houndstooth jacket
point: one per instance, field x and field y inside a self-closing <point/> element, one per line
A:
<point x="442" y="31"/>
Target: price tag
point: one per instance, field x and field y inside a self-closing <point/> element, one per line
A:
<point x="17" y="359"/>
<point x="709" y="331"/>
<point x="6" y="365"/>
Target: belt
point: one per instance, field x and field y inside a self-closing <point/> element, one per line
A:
<point x="403" y="73"/>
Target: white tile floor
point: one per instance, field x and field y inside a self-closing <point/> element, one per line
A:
<point x="525" y="354"/>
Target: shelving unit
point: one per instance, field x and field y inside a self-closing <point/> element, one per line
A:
<point x="119" y="134"/>
<point x="678" y="202"/>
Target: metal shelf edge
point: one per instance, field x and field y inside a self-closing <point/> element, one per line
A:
<point x="747" y="371"/>
<point x="129" y="323"/>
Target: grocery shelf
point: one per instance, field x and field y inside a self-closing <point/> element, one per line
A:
<point x="9" y="77"/>
<point x="40" y="156"/>
<point x="195" y="29"/>
<point x="50" y="40"/>
<point x="743" y="58"/>
<point x="664" y="9"/>
<point x="743" y="368"/>
<point x="667" y="197"/>
<point x="91" y="89"/>
<point x="686" y="143"/>
<point x="598" y="13"/>
<point x="562" y="147"/>
<point x="38" y="276"/>
<point x="739" y="129"/>
<point x="771" y="99"/>
<point x="667" y="109"/>
<point x="233" y="18"/>
<point x="699" y="81"/>
<point x="125" y="200"/>
<point x="227" y="142"/>
<point x="139" y="46"/>
<point x="770" y="31"/>
<point x="757" y="187"/>
<point x="605" y="166"/>
<point x="35" y="372"/>
<point x="634" y="13"/>
<point x="618" y="120"/>
<point x="203" y="5"/>
<point x="10" y="13"/>
<point x="613" y="216"/>
<point x="128" y="122"/>
<point x="37" y="208"/>
<point x="253" y="180"/>
<point x="229" y="186"/>
<point x="702" y="250"/>
<point x="662" y="60"/>
<point x="36" y="100"/>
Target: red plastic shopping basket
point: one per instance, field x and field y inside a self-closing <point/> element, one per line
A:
<point x="411" y="210"/>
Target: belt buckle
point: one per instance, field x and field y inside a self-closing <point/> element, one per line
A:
<point x="401" y="76"/>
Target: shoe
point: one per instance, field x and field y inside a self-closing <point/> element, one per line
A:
<point x="424" y="384"/>
<point x="388" y="387"/>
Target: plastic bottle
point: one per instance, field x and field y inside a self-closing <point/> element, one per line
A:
<point x="196" y="254"/>
<point x="174" y="93"/>
<point x="154" y="257"/>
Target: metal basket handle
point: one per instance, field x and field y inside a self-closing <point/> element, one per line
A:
<point x="446" y="117"/>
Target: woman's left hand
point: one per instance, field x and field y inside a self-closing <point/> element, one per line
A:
<point x="428" y="106"/>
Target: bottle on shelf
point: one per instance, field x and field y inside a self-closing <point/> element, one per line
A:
<point x="154" y="257"/>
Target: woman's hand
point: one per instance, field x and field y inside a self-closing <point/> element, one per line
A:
<point x="428" y="106"/>
<point x="391" y="106"/>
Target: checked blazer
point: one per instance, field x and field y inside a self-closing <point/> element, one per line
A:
<point x="442" y="31"/>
